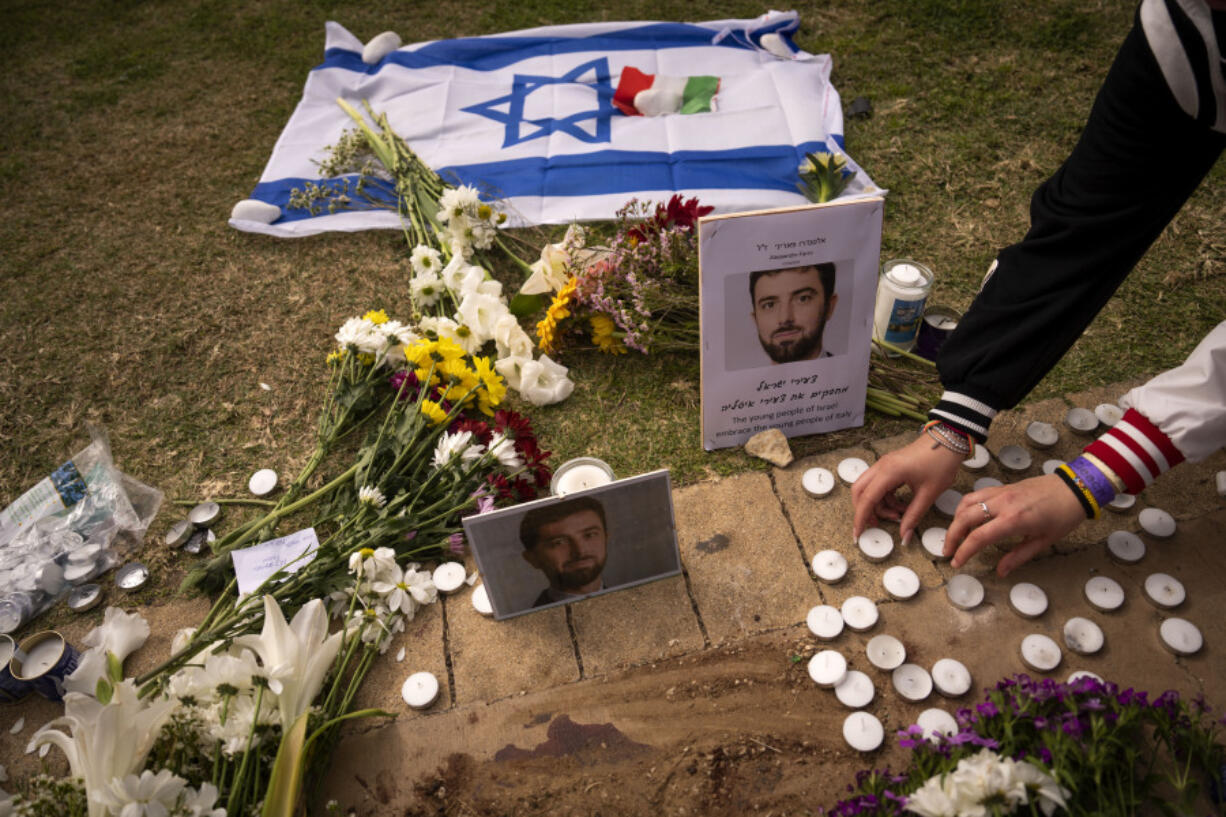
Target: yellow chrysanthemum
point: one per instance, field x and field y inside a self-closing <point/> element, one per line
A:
<point x="375" y="316"/>
<point x="433" y="412"/>
<point x="495" y="388"/>
<point x="547" y="330"/>
<point x="458" y="380"/>
<point x="425" y="351"/>
<point x="366" y="359"/>
<point x="602" y="335"/>
<point x="336" y="356"/>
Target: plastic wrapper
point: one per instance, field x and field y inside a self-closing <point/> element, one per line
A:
<point x="68" y="529"/>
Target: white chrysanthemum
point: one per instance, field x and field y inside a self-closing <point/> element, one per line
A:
<point x="457" y="201"/>
<point x="425" y="260"/>
<point x="201" y="803"/>
<point x="511" y="338"/>
<point x="376" y="625"/>
<point x="464" y="337"/>
<point x="438" y="327"/>
<point x="396" y="333"/>
<point x="394" y="594"/>
<point x="372" y="565"/>
<point x="151" y="795"/>
<point x="371" y="495"/>
<point x="481" y="233"/>
<point x="458" y="446"/>
<point x="219" y="675"/>
<point x="541" y="382"/>
<point x="481" y="313"/>
<point x="240" y="716"/>
<point x="361" y="334"/>
<point x="421" y="586"/>
<point x="503" y="447"/>
<point x="426" y="289"/>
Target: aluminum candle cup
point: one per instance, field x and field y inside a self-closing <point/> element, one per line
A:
<point x="863" y="732"/>
<point x="828" y="668"/>
<point x="885" y="652"/>
<point x="262" y="482"/>
<point x="84" y="597"/>
<point x="49" y="577"/>
<point x="580" y="474"/>
<point x="1125" y="547"/>
<point x="43" y="661"/>
<point x="829" y="565"/>
<point x="855" y="690"/>
<point x="1163" y="591"/>
<point x="199" y="538"/>
<point x="901" y="582"/>
<point x="1108" y="414"/>
<point x="15" y="610"/>
<point x="964" y="592"/>
<point x="1122" y="503"/>
<point x="11" y="689"/>
<point x="1042" y="435"/>
<point x="912" y="682"/>
<point x="1083" y="636"/>
<point x="902" y="292"/>
<point x="1027" y="600"/>
<point x="178" y="534"/>
<point x="204" y="515"/>
<point x="825" y="622"/>
<point x="1181" y="636"/>
<point x="1040" y="653"/>
<point x="951" y="677"/>
<point x="817" y="482"/>
<point x="987" y="482"/>
<point x="850" y="469"/>
<point x="876" y="544"/>
<point x="131" y="576"/>
<point x="1104" y="594"/>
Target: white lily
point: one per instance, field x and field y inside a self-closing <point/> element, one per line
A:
<point x="120" y="634"/>
<point x="295" y="656"/>
<point x="106" y="741"/>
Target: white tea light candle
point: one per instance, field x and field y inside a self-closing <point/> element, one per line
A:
<point x="1125" y="547"/>
<point x="449" y="577"/>
<point x="964" y="592"/>
<point x="1027" y="600"/>
<point x="1014" y="458"/>
<point x="420" y="690"/>
<point x="1081" y="420"/>
<point x="1105" y="594"/>
<point x="855" y="690"/>
<point x="901" y="582"/>
<point x="1040" y="653"/>
<point x="817" y="482"/>
<point x="936" y="722"/>
<point x="829" y="565"/>
<point x="481" y="601"/>
<point x="1108" y="414"/>
<point x="978" y="460"/>
<point x="1042" y="435"/>
<point x="850" y="469"/>
<point x="1181" y="636"/>
<point x="1077" y="675"/>
<point x="863" y="732"/>
<point x="951" y="677"/>
<point x="1157" y="522"/>
<point x="933" y="541"/>
<point x="825" y="622"/>
<point x="1083" y="636"/>
<point x="987" y="482"/>
<point x="885" y="652"/>
<point x="912" y="682"/>
<point x="876" y="544"/>
<point x="1050" y="466"/>
<point x="828" y="668"/>
<point x="1122" y="503"/>
<point x="947" y="503"/>
<point x="580" y="474"/>
<point x="1164" y="591"/>
<point x="859" y="613"/>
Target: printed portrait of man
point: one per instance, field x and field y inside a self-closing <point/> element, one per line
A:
<point x="568" y="542"/>
<point x="790" y="308"/>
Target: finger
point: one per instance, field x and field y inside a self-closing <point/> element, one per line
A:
<point x="1021" y="554"/>
<point x="891" y="507"/>
<point x="977" y="540"/>
<point x="969" y="515"/>
<point x="919" y="505"/>
<point x="866" y="495"/>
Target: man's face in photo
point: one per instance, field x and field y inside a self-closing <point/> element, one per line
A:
<point x="571" y="552"/>
<point x="790" y="309"/>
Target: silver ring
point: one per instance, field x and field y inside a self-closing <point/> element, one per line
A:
<point x="987" y="515"/>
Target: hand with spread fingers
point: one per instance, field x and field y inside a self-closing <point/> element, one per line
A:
<point x="927" y="468"/>
<point x="1040" y="510"/>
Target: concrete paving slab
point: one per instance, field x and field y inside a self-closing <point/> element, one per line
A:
<point x="646" y="623"/>
<point x="747" y="573"/>
<point x="493" y="659"/>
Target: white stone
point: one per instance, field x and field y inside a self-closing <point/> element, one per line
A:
<point x="901" y="582"/>
<point x="255" y="210"/>
<point x="850" y="469"/>
<point x="828" y="668"/>
<point x="912" y="682"/>
<point x="964" y="591"/>
<point x="951" y="677"/>
<point x="1027" y="600"/>
<point x="1157" y="522"/>
<point x="1040" y="652"/>
<point x="1164" y="591"/>
<point x="1083" y="636"/>
<point x="420" y="690"/>
<point x="817" y="482"/>
<point x="855" y="690"/>
<point x="380" y="46"/>
<point x="863" y="732"/>
<point x="770" y="445"/>
<point x="859" y="613"/>
<point x="1105" y="594"/>
<point x="885" y="652"/>
<point x="1181" y="636"/>
<point x="829" y="565"/>
<point x="825" y="622"/>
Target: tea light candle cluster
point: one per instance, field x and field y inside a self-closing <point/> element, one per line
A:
<point x="1122" y="503"/>
<point x="1108" y="414"/>
<point x="481" y="601"/>
<point x="449" y="577"/>
<point x="825" y="622"/>
<point x="951" y="677"/>
<point x="817" y="482"/>
<point x="885" y="652"/>
<point x="828" y="668"/>
<point x="859" y="613"/>
<point x="937" y="722"/>
<point x="978" y="460"/>
<point x="1042" y="435"/>
<point x="1181" y="636"/>
<point x="947" y="503"/>
<point x="1081" y="420"/>
<point x="1014" y="458"/>
<point x="987" y="482"/>
<point x="1125" y="547"/>
<point x="933" y="540"/>
<point x="420" y="690"/>
<point x="856" y="690"/>
<point x="863" y="731"/>
<point x="1157" y="522"/>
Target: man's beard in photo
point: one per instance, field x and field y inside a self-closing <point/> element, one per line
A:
<point x="580" y="576"/>
<point x="798" y="349"/>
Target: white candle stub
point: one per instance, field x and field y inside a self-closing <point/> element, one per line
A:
<point x="1040" y="653"/>
<point x="1014" y="458"/>
<point x="1157" y="523"/>
<point x="987" y="482"/>
<point x="817" y="482"/>
<point x="901" y="582"/>
<point x="1027" y="600"/>
<point x="876" y="544"/>
<point x="965" y="592"/>
<point x="1083" y="636"/>
<point x="1077" y="675"/>
<point x="933" y="541"/>
<point x="1081" y="420"/>
<point x="855" y="690"/>
<point x="580" y="474"/>
<point x="850" y="469"/>
<point x="420" y="690"/>
<point x="1122" y="503"/>
<point x="262" y="482"/>
<point x="863" y="732"/>
<point x="947" y="503"/>
<point x="828" y="668"/>
<point x="829" y="565"/>
<point x="1051" y="466"/>
<point x="1108" y="414"/>
<point x="1125" y="547"/>
<point x="1105" y="594"/>
<point x="936" y="722"/>
<point x="825" y="622"/>
<point x="859" y="613"/>
<point x="951" y="677"/>
<point x="1181" y="636"/>
<point x="885" y="652"/>
<point x="1042" y="435"/>
<point x="481" y="601"/>
<point x="449" y="577"/>
<point x="978" y="460"/>
<point x="1164" y="591"/>
<point x="912" y="682"/>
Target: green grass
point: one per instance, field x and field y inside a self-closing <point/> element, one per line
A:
<point x="131" y="128"/>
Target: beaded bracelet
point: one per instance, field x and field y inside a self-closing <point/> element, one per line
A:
<point x="1114" y="478"/>
<point x="1094" y="479"/>
<point x="943" y="437"/>
<point x="1080" y="491"/>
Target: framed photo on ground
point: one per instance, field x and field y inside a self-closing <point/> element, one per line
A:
<point x="786" y="318"/>
<point x="561" y="549"/>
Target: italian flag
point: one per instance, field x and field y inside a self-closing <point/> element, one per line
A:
<point x="640" y="94"/>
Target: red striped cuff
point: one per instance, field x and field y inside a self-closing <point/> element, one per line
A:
<point x="1136" y="450"/>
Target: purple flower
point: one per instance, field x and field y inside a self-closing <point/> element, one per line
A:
<point x="1040" y="722"/>
<point x="456" y="543"/>
<point x="1045" y="755"/>
<point x="410" y="536"/>
<point x="988" y="709"/>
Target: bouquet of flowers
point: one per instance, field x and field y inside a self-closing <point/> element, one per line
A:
<point x="1086" y="748"/>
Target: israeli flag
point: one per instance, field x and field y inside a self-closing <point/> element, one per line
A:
<point x="528" y="118"/>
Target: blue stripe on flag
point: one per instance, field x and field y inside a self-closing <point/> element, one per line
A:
<point x="493" y="53"/>
<point x="772" y="167"/>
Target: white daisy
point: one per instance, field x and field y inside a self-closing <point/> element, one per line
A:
<point x="426" y="289"/>
<point x="455" y="446"/>
<point x="425" y="260"/>
<point x="503" y="447"/>
<point x="371" y="495"/>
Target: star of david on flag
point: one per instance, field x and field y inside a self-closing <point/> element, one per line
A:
<point x="530" y="118"/>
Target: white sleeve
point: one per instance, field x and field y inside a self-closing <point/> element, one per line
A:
<point x="1188" y="403"/>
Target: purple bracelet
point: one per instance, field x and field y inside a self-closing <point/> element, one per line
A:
<point x="1098" y="483"/>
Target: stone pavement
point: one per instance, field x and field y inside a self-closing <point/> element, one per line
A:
<point x="746" y="542"/>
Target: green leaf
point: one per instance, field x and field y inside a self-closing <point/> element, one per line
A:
<point x="286" y="780"/>
<point x="525" y="305"/>
<point x="114" y="667"/>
